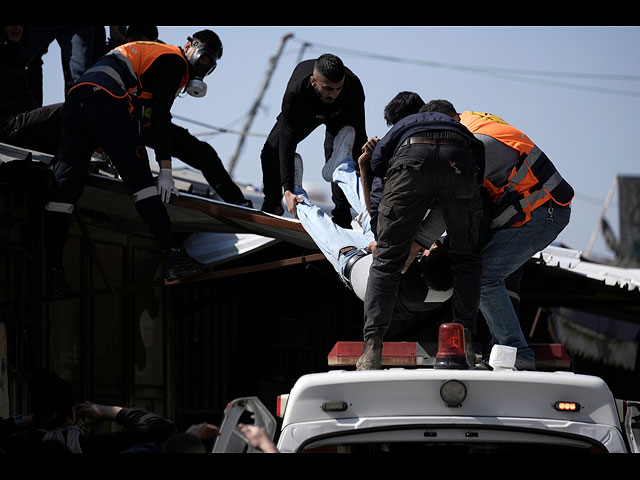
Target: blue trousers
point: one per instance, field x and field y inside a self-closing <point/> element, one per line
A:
<point x="507" y="250"/>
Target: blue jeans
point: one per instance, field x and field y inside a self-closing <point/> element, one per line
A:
<point x="507" y="250"/>
<point x="329" y="237"/>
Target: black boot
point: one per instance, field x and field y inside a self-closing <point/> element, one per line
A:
<point x="371" y="358"/>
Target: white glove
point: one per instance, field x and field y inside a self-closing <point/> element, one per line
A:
<point x="166" y="186"/>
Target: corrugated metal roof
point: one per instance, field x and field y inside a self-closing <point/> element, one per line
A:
<point x="572" y="261"/>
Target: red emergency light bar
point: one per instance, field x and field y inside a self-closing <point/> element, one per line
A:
<point x="393" y="353"/>
<point x="549" y="356"/>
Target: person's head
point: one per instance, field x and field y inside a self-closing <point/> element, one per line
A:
<point x="142" y="33"/>
<point x="12" y="34"/>
<point x="441" y="106"/>
<point x="183" y="443"/>
<point x="52" y="401"/>
<point x="402" y="105"/>
<point x="327" y="78"/>
<point x="203" y="50"/>
<point x="436" y="265"/>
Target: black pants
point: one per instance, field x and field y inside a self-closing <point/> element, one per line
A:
<point x="417" y="175"/>
<point x="202" y="156"/>
<point x="92" y="119"/>
<point x="38" y="129"/>
<point x="272" y="185"/>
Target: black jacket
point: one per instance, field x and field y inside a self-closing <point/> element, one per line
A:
<point x="405" y="128"/>
<point x="302" y="111"/>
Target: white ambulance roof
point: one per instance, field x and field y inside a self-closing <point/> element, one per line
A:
<point x="416" y="392"/>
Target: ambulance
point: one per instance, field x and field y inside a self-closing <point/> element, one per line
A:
<point x="420" y="402"/>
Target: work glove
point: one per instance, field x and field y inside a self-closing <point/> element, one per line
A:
<point x="165" y="185"/>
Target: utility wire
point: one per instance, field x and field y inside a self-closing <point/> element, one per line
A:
<point x="505" y="73"/>
<point x="217" y="129"/>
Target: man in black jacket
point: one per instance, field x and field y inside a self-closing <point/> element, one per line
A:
<point x="424" y="157"/>
<point x="321" y="91"/>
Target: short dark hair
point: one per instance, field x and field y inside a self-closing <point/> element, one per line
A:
<point x="402" y="105"/>
<point x="438" y="272"/>
<point x="211" y="41"/>
<point x="52" y="400"/>
<point x="441" y="106"/>
<point x="330" y="66"/>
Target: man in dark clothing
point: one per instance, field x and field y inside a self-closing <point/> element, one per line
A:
<point x="52" y="425"/>
<point x="100" y="111"/>
<point x="76" y="44"/>
<point x="424" y="157"/>
<point x="184" y="146"/>
<point x="23" y="122"/>
<point x="321" y="91"/>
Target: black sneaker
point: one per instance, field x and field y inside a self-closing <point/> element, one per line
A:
<point x="273" y="207"/>
<point x="179" y="265"/>
<point x="58" y="287"/>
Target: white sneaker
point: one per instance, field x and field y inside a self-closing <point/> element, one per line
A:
<point x="298" y="170"/>
<point x="342" y="148"/>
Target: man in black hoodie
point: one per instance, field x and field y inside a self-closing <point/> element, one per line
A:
<point x="321" y="91"/>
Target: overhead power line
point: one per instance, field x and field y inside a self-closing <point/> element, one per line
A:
<point x="514" y="74"/>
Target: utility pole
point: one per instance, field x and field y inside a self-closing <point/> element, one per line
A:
<point x="252" y="113"/>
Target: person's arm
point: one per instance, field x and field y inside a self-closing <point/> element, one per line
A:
<point x="164" y="77"/>
<point x="258" y="438"/>
<point x="139" y="426"/>
<point x="286" y="152"/>
<point x="366" y="174"/>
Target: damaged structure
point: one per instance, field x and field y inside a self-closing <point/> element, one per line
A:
<point x="269" y="312"/>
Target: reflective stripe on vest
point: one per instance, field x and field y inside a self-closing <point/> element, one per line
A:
<point x="533" y="181"/>
<point x="133" y="59"/>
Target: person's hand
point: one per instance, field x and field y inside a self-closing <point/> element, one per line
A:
<point x="372" y="247"/>
<point x="165" y="185"/>
<point x="203" y="431"/>
<point x="413" y="253"/>
<point x="364" y="159"/>
<point x="258" y="438"/>
<point x="291" y="201"/>
<point x="370" y="146"/>
<point x="93" y="411"/>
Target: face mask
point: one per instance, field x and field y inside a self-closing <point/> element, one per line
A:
<point x="203" y="61"/>
<point x="196" y="88"/>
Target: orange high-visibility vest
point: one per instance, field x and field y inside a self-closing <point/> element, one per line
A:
<point x="119" y="71"/>
<point x="533" y="181"/>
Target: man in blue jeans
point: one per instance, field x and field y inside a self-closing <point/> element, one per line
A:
<point x="425" y="157"/>
<point x="530" y="208"/>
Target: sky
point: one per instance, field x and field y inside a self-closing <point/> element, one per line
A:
<point x="573" y="90"/>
